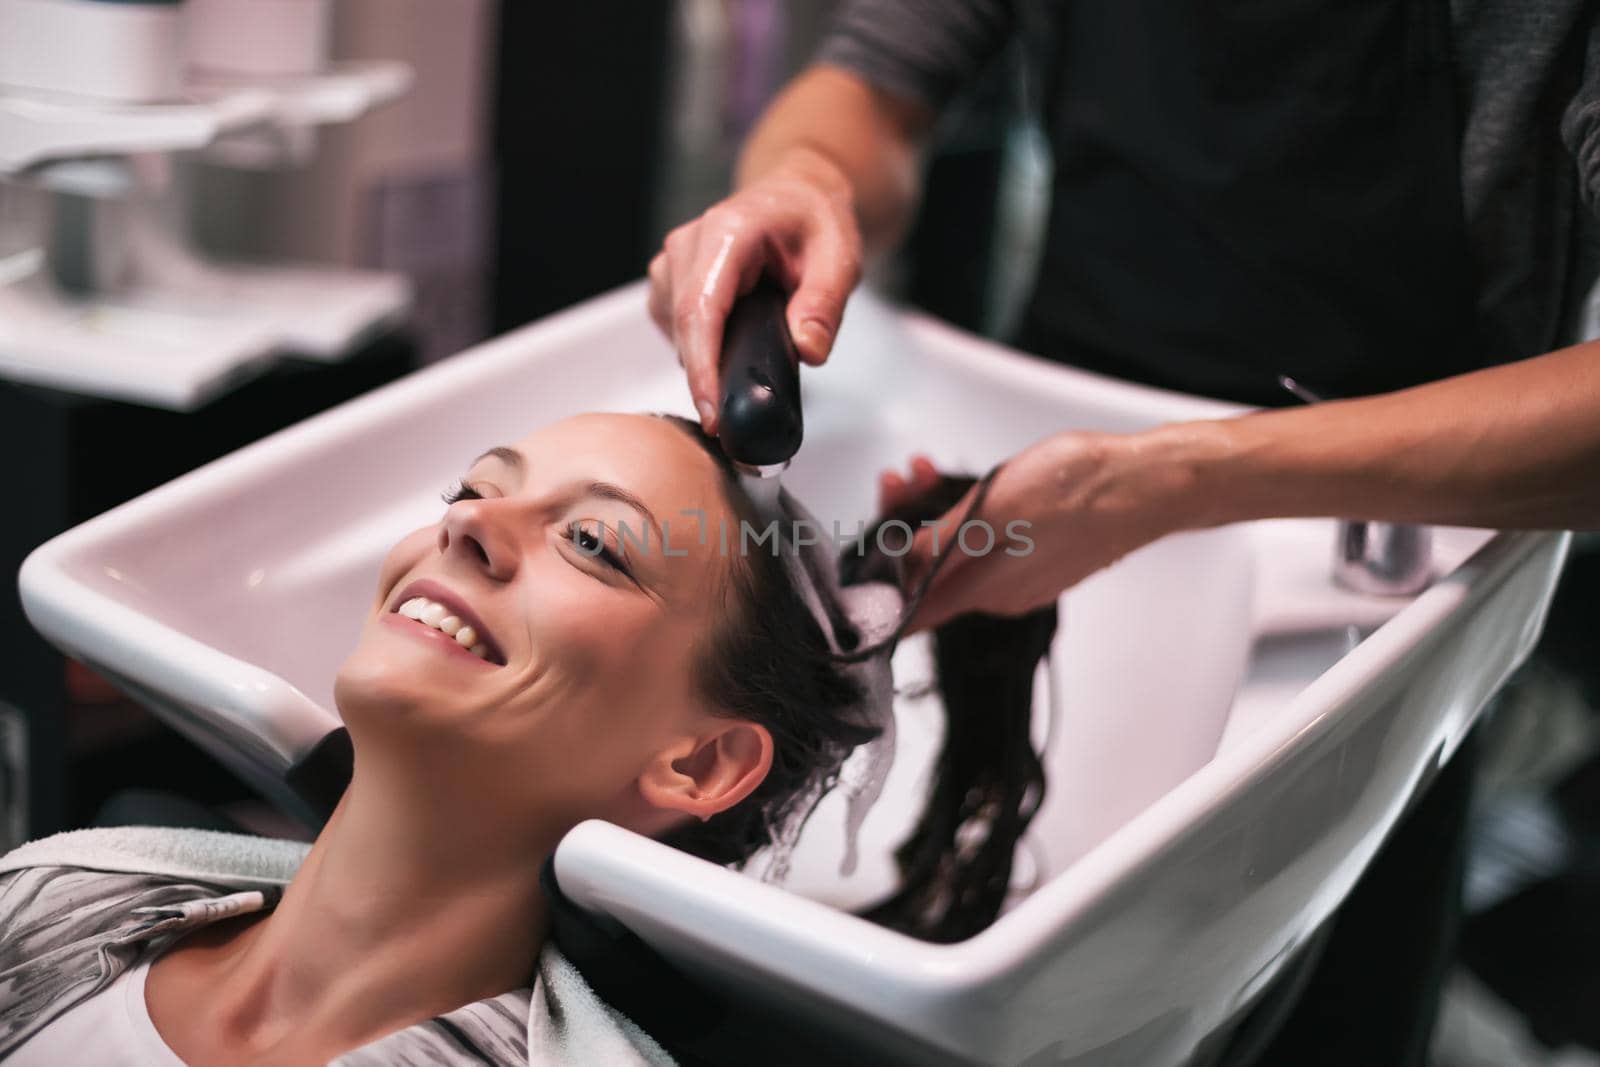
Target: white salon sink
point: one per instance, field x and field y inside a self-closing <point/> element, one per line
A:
<point x="1231" y="735"/>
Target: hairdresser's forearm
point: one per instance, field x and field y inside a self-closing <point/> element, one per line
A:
<point x="832" y="121"/>
<point x="1516" y="446"/>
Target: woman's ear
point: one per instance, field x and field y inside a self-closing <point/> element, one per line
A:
<point x="709" y="772"/>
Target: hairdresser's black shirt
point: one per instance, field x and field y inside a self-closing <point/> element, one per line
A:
<point x="1242" y="188"/>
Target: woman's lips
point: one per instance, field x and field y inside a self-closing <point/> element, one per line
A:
<point x="428" y="589"/>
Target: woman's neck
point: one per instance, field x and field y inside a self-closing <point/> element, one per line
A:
<point x="405" y="908"/>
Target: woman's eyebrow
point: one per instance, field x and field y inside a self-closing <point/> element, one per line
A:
<point x="611" y="491"/>
<point x="509" y="456"/>
<point x="604" y="490"/>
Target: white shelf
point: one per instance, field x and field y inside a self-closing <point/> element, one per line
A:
<point x="38" y="128"/>
<point x="344" y="92"/>
<point x="120" y="350"/>
<point x="177" y="346"/>
<point x="171" y="329"/>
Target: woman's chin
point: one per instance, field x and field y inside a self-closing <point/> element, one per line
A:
<point x="396" y="688"/>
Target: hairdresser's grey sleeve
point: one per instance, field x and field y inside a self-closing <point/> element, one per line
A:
<point x="924" y="50"/>
<point x="1580" y="125"/>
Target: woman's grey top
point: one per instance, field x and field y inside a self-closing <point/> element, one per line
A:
<point x="79" y="909"/>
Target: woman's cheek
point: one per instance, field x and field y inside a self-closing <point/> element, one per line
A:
<point x="404" y="556"/>
<point x="605" y="639"/>
<point x="580" y="635"/>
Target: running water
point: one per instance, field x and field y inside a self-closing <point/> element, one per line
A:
<point x="764" y="491"/>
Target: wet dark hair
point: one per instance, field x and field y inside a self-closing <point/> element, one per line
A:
<point x="771" y="664"/>
<point x="988" y="781"/>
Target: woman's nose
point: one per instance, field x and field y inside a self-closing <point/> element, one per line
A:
<point x="475" y="532"/>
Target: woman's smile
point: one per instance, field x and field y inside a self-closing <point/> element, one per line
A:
<point x="435" y="613"/>
<point x="435" y="638"/>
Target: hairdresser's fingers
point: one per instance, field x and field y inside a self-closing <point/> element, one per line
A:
<point x="966" y="585"/>
<point x="728" y="261"/>
<point x="896" y="490"/>
<point x="924" y="475"/>
<point x="668" y="272"/>
<point x="935" y="546"/>
<point x="991" y="583"/>
<point x="660" y="301"/>
<point x="892" y="491"/>
<point x="948" y="595"/>
<point x="829" y="273"/>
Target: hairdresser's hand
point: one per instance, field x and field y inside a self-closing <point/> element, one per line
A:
<point x="797" y="224"/>
<point x="1058" y="511"/>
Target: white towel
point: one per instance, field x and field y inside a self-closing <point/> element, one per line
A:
<point x="205" y="855"/>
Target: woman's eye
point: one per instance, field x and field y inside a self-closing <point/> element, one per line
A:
<point x="589" y="537"/>
<point x="460" y="491"/>
<point x="589" y="542"/>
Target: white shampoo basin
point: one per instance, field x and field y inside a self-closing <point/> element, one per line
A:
<point x="1232" y="736"/>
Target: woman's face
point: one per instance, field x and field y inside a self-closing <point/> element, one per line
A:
<point x="575" y="557"/>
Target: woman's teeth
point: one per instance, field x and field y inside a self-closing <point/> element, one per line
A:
<point x="434" y="614"/>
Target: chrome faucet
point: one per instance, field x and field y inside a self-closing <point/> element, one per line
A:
<point x="1382" y="558"/>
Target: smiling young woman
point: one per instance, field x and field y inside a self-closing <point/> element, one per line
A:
<point x="543" y="654"/>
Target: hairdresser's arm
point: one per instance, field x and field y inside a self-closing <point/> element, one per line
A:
<point x="1516" y="446"/>
<point x="829" y="176"/>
